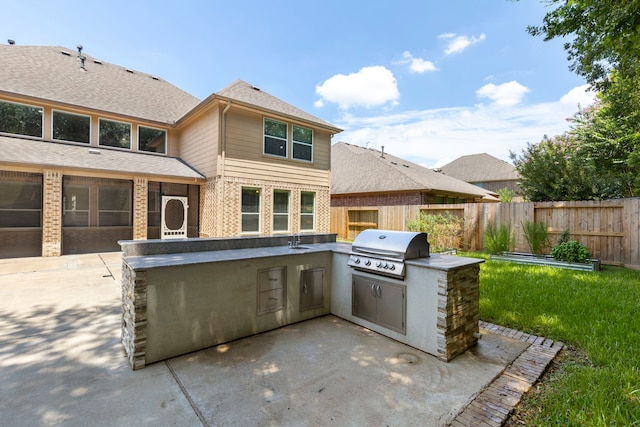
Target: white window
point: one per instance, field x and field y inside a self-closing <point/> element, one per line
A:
<point x="21" y="119"/>
<point x="115" y="134"/>
<point x="302" y="143"/>
<point x="71" y="127"/>
<point x="275" y="138"/>
<point x="250" y="210"/>
<point x="280" y="210"/>
<point x="152" y="140"/>
<point x="307" y="211"/>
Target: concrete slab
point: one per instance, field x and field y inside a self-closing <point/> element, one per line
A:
<point x="61" y="363"/>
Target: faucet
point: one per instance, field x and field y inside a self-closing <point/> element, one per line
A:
<point x="295" y="241"/>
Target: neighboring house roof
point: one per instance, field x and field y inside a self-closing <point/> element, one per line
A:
<point x="480" y="168"/>
<point x="55" y="74"/>
<point x="245" y="93"/>
<point x="59" y="155"/>
<point x="357" y="169"/>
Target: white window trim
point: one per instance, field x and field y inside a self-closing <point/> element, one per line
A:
<point x="293" y="142"/>
<point x="288" y="214"/>
<point x="313" y="214"/>
<point x="111" y="146"/>
<point x="166" y="138"/>
<point x="286" y="139"/>
<point x="259" y="213"/>
<point x="41" y="118"/>
<point x="84" y="144"/>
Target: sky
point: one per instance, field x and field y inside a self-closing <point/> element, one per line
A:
<point x="430" y="81"/>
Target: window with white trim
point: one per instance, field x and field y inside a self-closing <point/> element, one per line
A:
<point x="280" y="210"/>
<point x="152" y="140"/>
<point x="115" y="134"/>
<point x="275" y="138"/>
<point x="250" y="210"/>
<point x="21" y="119"/>
<point x="71" y="127"/>
<point x="302" y="143"/>
<point x="307" y="211"/>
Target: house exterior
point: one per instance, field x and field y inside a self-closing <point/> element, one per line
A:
<point x="367" y="177"/>
<point x="94" y="153"/>
<point x="484" y="171"/>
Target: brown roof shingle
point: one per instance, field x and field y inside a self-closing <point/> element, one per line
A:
<point x="357" y="169"/>
<point x="19" y="151"/>
<point x="480" y="168"/>
<point x="54" y="74"/>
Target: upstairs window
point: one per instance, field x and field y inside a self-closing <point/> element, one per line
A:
<point x="115" y="134"/>
<point x="275" y="138"/>
<point x="21" y="119"/>
<point x="250" y="210"/>
<point x="280" y="210"/>
<point x="152" y="140"/>
<point x="71" y="127"/>
<point x="307" y="211"/>
<point x="302" y="143"/>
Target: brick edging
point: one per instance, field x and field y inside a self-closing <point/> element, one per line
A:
<point x="491" y="408"/>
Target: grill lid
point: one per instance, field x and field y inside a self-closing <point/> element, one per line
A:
<point x="393" y="244"/>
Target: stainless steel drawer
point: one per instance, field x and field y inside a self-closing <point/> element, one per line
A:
<point x="272" y="278"/>
<point x="269" y="301"/>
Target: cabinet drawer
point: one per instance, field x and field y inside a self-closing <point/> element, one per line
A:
<point x="272" y="278"/>
<point x="269" y="301"/>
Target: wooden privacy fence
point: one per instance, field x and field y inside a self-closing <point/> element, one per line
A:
<point x="610" y="228"/>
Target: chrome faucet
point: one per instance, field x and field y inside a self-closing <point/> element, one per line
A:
<point x="295" y="241"/>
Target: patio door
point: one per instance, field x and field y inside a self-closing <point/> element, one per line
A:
<point x="174" y="217"/>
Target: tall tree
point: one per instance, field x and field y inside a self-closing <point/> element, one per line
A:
<point x="604" y="35"/>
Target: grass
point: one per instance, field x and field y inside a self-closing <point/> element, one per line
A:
<point x="597" y="315"/>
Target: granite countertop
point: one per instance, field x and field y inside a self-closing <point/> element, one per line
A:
<point x="178" y="259"/>
<point x="435" y="261"/>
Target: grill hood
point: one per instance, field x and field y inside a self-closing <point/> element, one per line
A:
<point x="393" y="244"/>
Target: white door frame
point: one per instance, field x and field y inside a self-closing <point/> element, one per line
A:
<point x="166" y="232"/>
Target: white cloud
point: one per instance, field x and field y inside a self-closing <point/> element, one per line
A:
<point x="580" y="95"/>
<point x="431" y="137"/>
<point x="457" y="43"/>
<point x="370" y="87"/>
<point x="505" y="94"/>
<point x="417" y="65"/>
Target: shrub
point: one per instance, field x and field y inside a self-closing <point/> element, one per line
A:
<point x="498" y="239"/>
<point x="505" y="195"/>
<point x="571" y="251"/>
<point x="444" y="231"/>
<point x="537" y="236"/>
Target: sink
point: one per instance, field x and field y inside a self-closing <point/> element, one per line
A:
<point x="298" y="247"/>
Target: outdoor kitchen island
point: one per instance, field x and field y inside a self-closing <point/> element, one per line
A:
<point x="186" y="295"/>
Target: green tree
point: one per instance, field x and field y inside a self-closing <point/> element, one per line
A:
<point x="604" y="35"/>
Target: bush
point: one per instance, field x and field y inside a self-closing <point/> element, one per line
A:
<point x="498" y="239"/>
<point x="537" y="236"/>
<point x="444" y="231"/>
<point x="571" y="251"/>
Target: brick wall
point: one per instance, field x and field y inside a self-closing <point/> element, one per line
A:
<point x="52" y="213"/>
<point x="140" y="206"/>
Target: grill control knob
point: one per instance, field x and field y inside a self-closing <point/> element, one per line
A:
<point x="379" y="264"/>
<point x="367" y="262"/>
<point x="385" y="266"/>
<point x="356" y="260"/>
<point x="393" y="267"/>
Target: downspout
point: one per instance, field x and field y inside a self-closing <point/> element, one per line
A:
<point x="223" y="147"/>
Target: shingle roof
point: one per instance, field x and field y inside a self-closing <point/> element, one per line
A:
<point x="48" y="154"/>
<point x="356" y="169"/>
<point x="244" y="92"/>
<point x="480" y="168"/>
<point x="45" y="72"/>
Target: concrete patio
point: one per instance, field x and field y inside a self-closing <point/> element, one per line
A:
<point x="62" y="363"/>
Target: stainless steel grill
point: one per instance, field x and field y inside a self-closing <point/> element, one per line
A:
<point x="384" y="252"/>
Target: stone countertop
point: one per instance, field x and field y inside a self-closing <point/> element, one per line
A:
<point x="178" y="259"/>
<point x="435" y="261"/>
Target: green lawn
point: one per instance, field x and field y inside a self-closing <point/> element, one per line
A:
<point x="597" y="315"/>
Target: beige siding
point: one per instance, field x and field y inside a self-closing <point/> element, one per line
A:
<point x="199" y="142"/>
<point x="245" y="158"/>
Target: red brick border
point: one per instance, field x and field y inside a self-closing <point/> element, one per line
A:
<point x="491" y="408"/>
